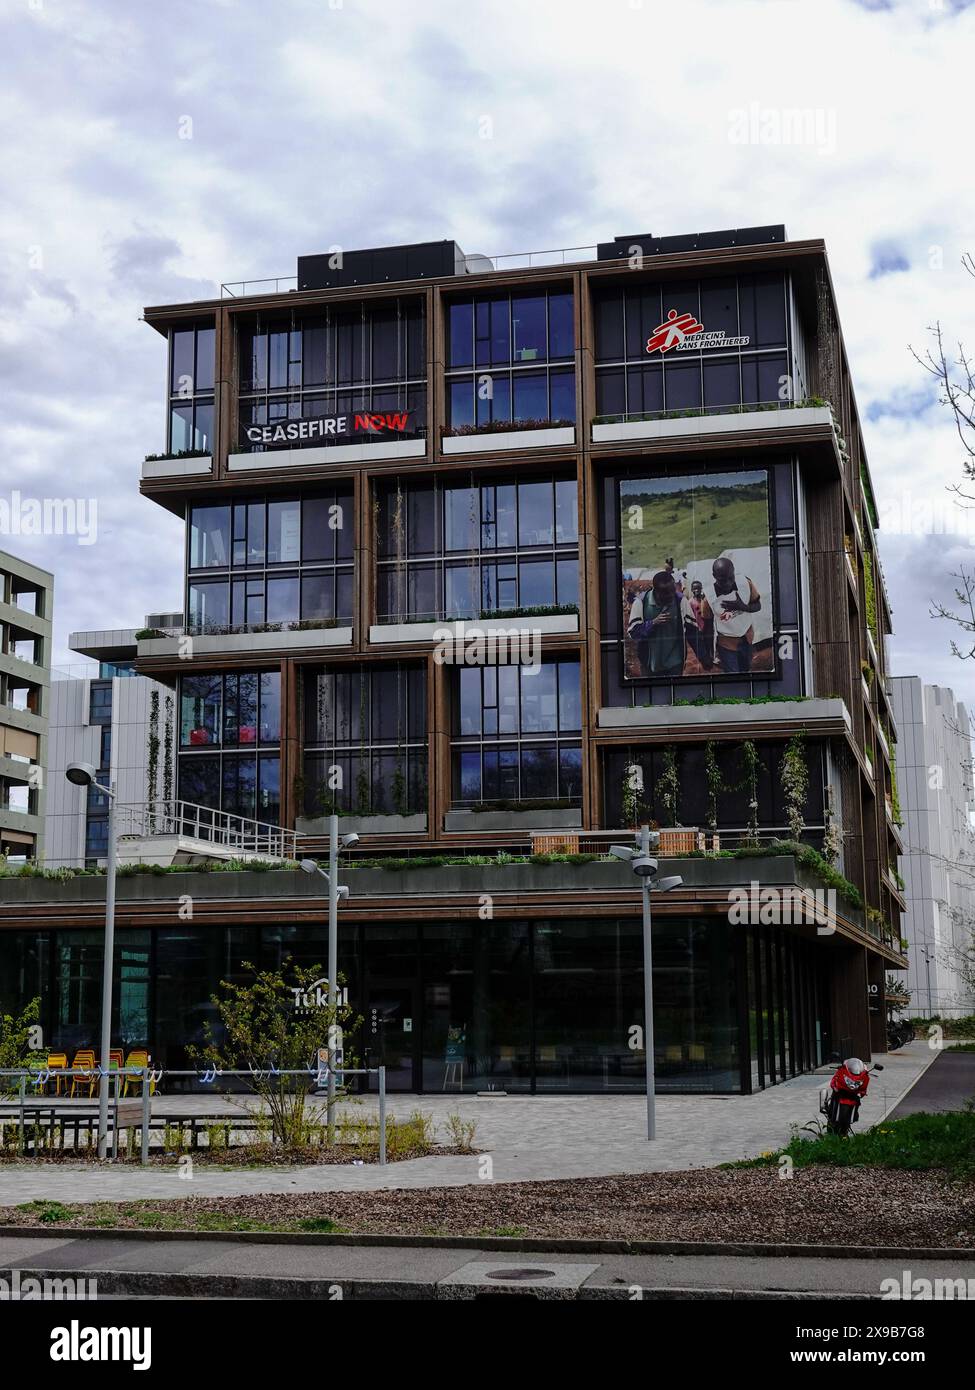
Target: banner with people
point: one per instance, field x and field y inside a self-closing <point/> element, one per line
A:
<point x="697" y="576"/>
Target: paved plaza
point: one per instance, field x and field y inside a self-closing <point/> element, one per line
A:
<point x="525" y="1137"/>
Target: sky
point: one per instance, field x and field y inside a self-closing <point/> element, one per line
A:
<point x="153" y="150"/>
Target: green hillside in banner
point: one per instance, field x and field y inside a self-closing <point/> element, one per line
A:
<point x="695" y="524"/>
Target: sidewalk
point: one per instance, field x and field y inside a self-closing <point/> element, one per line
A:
<point x="214" y="1269"/>
<point x="525" y="1137"/>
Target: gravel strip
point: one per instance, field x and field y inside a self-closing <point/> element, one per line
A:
<point x="818" y="1205"/>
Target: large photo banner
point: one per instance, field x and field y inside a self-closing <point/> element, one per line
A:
<point x="697" y="576"/>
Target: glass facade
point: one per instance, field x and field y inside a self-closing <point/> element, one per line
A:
<point x="510" y="359"/>
<point x="191" y="374"/>
<point x="261" y="564"/>
<point x="366" y="747"/>
<point x="359" y="357"/>
<point x="462" y="550"/>
<point x="751" y="311"/>
<point x="516" y="733"/>
<point x="723" y="806"/>
<point x="229" y="741"/>
<point x="533" y="1006"/>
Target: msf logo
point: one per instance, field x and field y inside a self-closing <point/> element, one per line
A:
<point x="673" y="332"/>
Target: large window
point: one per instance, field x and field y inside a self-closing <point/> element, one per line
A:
<point x="191" y="371"/>
<point x="738" y="353"/>
<point x="714" y="787"/>
<point x="357" y="358"/>
<point x="510" y="359"/>
<point x="259" y="563"/>
<point x="516" y="734"/>
<point x="366" y="746"/>
<point x="463" y="550"/>
<point x="229" y="735"/>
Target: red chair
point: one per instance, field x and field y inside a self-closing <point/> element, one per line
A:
<point x="198" y="737"/>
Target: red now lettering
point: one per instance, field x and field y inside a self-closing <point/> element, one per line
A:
<point x="398" y="422"/>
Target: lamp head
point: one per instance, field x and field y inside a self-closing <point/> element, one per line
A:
<point x="664" y="885"/>
<point x="342" y="891"/>
<point x="623" y="852"/>
<point x="643" y="865"/>
<point x="309" y="866"/>
<point x="349" y="840"/>
<point x="80" y="774"/>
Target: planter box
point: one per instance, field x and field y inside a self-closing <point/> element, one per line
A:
<point x="177" y="468"/>
<point x="736" y="423"/>
<point x="337" y="453"/>
<point x="461" y="628"/>
<point x="507" y="439"/>
<point x="219" y="643"/>
<point x="365" y="825"/>
<point x="567" y="818"/>
<point x="683" y="716"/>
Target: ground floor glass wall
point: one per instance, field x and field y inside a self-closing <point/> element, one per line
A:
<point x="523" y="1006"/>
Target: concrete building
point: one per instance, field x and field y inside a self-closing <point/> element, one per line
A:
<point x="934" y="782"/>
<point x="26" y="602"/>
<point x="116" y="720"/>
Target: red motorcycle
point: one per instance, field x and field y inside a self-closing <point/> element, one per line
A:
<point x="847" y="1088"/>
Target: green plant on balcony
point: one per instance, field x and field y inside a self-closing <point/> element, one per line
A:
<point x="866" y="670"/>
<point x="750" y="763"/>
<point x="505" y="427"/>
<point x="895" y="805"/>
<point x="178" y="454"/>
<point x="870" y="595"/>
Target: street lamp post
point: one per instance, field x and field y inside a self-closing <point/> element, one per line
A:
<point x="645" y="868"/>
<point x="335" y="891"/>
<point x="84" y="775"/>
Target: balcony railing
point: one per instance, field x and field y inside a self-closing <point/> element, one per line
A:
<point x="187" y="821"/>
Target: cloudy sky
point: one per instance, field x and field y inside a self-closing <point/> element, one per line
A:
<point x="153" y="150"/>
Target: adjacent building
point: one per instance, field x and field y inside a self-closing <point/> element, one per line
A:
<point x="123" y="724"/>
<point x="934" y="780"/>
<point x="26" y="601"/>
<point x="499" y="556"/>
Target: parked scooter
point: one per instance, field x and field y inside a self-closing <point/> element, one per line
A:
<point x="899" y="1033"/>
<point x="847" y="1088"/>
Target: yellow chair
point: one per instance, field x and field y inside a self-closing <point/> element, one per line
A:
<point x="138" y="1058"/>
<point x="57" y="1062"/>
<point x="84" y="1061"/>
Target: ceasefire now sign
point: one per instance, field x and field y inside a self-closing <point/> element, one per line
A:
<point x="330" y="427"/>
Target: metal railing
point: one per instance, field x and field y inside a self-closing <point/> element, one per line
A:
<point x="473" y="265"/>
<point x="187" y="820"/>
<point x="149" y="1077"/>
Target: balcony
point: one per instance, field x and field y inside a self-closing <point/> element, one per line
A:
<point x="820" y="716"/>
<point x="364" y="452"/>
<point x="460" y="630"/>
<point x="189" y="642"/>
<point x="710" y="420"/>
<point x="537" y="435"/>
<point x="177" y="466"/>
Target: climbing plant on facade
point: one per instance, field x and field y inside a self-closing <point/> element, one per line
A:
<point x="795" y="784"/>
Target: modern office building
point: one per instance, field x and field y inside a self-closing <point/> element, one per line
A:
<point x="26" y="601"/>
<point x="490" y="556"/>
<point x="123" y="724"/>
<point x="934" y="780"/>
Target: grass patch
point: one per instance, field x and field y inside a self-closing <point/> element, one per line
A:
<point x="915" y="1143"/>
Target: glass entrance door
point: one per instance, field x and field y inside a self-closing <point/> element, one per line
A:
<point x="392" y="1034"/>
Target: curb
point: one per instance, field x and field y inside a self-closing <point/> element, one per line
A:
<point x="518" y="1244"/>
<point x="136" y="1284"/>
